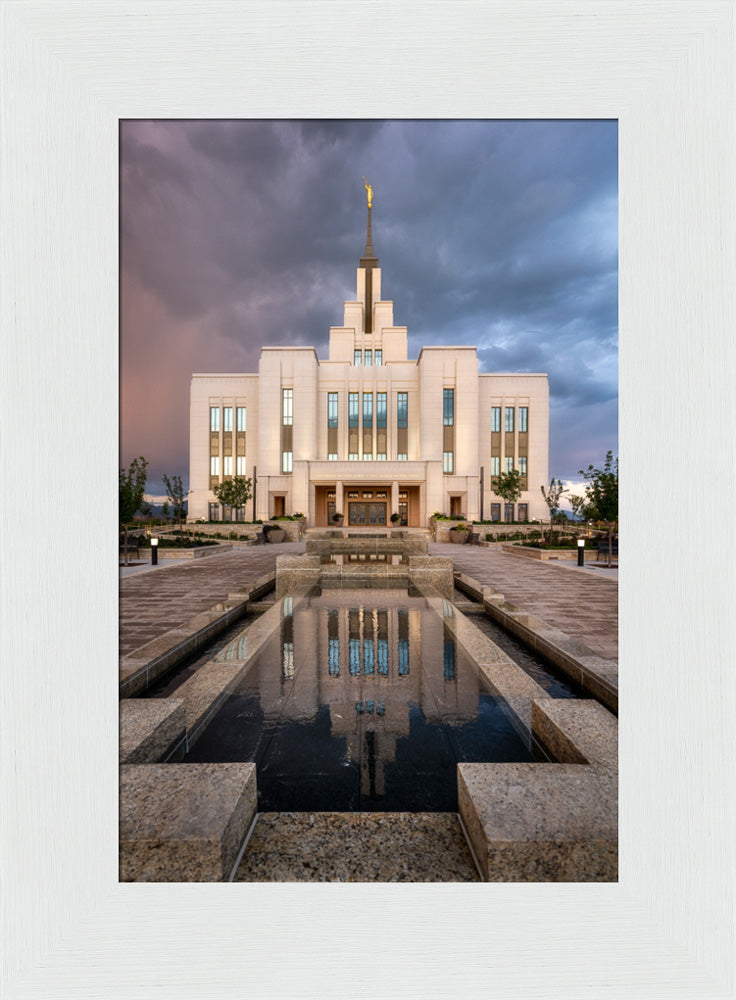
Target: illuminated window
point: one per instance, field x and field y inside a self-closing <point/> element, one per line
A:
<point x="227" y="418"/>
<point x="523" y="419"/>
<point x="448" y="407"/>
<point x="214" y="465"/>
<point x="287" y="396"/>
<point x="447" y="462"/>
<point x="286" y="461"/>
<point x="240" y="465"/>
<point x="495" y="418"/>
<point x="227" y="465"/>
<point x="214" y="418"/>
<point x="357" y="357"/>
<point x="241" y="418"/>
<point x="509" y="419"/>
<point x="495" y="465"/>
<point x="378" y="357"/>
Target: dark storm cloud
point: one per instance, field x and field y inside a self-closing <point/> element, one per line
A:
<point x="242" y="233"/>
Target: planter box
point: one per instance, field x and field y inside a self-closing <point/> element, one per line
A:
<point x="458" y="537"/>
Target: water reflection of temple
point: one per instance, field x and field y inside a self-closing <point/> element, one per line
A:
<point x="370" y="657"/>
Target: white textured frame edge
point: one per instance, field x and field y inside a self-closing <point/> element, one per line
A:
<point x="70" y="72"/>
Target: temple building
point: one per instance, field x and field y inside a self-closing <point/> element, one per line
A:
<point x="369" y="432"/>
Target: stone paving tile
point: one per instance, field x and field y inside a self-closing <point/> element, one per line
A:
<point x="155" y="602"/>
<point x="582" y="605"/>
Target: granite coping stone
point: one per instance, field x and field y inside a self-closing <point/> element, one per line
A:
<point x="577" y="732"/>
<point x="184" y="822"/>
<point x="541" y="822"/>
<point x="149" y="728"/>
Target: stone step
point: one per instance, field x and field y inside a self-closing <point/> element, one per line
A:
<point x="357" y="847"/>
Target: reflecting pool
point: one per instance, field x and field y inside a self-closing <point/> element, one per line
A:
<point x="360" y="700"/>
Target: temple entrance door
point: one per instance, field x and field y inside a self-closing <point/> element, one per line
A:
<point x="364" y="514"/>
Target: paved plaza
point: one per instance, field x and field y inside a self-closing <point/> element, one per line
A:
<point x="582" y="603"/>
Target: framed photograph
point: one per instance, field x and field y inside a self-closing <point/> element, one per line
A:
<point x="71" y="73"/>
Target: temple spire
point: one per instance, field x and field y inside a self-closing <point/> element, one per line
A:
<point x="369" y="259"/>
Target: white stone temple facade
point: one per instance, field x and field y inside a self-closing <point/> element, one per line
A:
<point x="369" y="432"/>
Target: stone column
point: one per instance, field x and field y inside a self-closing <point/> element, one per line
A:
<point x="394" y="499"/>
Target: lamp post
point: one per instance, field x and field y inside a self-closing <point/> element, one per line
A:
<point x="581" y="551"/>
<point x="154" y="551"/>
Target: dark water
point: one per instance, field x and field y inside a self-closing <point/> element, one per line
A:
<point x="360" y="702"/>
<point x="166" y="686"/>
<point x="537" y="668"/>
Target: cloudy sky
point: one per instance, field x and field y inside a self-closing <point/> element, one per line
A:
<point x="236" y="234"/>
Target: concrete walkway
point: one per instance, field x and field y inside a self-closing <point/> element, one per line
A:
<point x="581" y="602"/>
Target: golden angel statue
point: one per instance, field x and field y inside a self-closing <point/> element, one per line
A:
<point x="369" y="189"/>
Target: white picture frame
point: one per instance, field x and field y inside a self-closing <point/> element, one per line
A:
<point x="71" y="71"/>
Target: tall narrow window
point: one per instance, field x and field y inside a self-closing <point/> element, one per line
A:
<point x="381" y="426"/>
<point x="495" y="465"/>
<point x="508" y="463"/>
<point x="368" y="358"/>
<point x="403" y="409"/>
<point x="287" y="429"/>
<point x="495" y="419"/>
<point x="378" y="357"/>
<point x="287" y="396"/>
<point x="240" y="465"/>
<point x="367" y="425"/>
<point x="402" y="423"/>
<point x="241" y="418"/>
<point x="523" y="419"/>
<point x="447" y="462"/>
<point x="227" y="465"/>
<point x="214" y="418"/>
<point x="332" y="426"/>
<point x="522" y="464"/>
<point x="509" y="420"/>
<point x="357" y="357"/>
<point x="353" y="427"/>
<point x="448" y="408"/>
<point x="215" y="465"/>
<point x="227" y="418"/>
<point x="332" y="409"/>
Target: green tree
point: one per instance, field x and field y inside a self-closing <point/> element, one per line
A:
<point x="601" y="494"/>
<point x="176" y="496"/>
<point x="235" y="492"/>
<point x="552" y="497"/>
<point x="132" y="487"/>
<point x="508" y="486"/>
